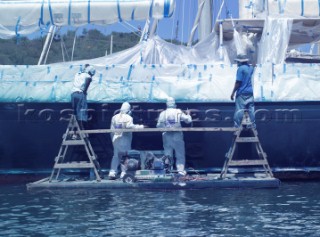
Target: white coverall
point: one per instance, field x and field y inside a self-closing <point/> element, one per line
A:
<point x="171" y="118"/>
<point x="121" y="140"/>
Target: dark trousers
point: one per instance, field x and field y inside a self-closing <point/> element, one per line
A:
<point x="80" y="108"/>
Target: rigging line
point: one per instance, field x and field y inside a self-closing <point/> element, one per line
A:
<point x="61" y="44"/>
<point x="219" y="13"/>
<point x="177" y="24"/>
<point x="182" y="22"/>
<point x="41" y="13"/>
<point x="145" y="31"/>
<point x="227" y="9"/>
<point x="229" y="14"/>
<point x="132" y="26"/>
<point x="74" y="43"/>
<point x="212" y="14"/>
<point x="196" y="22"/>
<point x="89" y="12"/>
<point x="69" y="13"/>
<point x="125" y="26"/>
<point x="51" y="39"/>
<point x="64" y="49"/>
<point x="189" y="22"/>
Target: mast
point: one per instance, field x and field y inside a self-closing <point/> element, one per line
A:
<point x="196" y="23"/>
<point x="205" y="23"/>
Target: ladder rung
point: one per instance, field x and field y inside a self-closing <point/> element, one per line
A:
<point x="262" y="154"/>
<point x="73" y="165"/>
<point x="73" y="142"/>
<point x="58" y="158"/>
<point x="247" y="162"/>
<point x="247" y="139"/>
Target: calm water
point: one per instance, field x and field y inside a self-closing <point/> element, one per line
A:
<point x="291" y="210"/>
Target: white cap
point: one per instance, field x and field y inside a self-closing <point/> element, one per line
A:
<point x="241" y="58"/>
<point x="125" y="107"/>
<point x="90" y="70"/>
<point x="171" y="103"/>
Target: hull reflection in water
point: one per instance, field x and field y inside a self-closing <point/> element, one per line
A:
<point x="292" y="210"/>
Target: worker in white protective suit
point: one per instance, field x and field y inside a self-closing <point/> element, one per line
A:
<point x="121" y="140"/>
<point x="173" y="141"/>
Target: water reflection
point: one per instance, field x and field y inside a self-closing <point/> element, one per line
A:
<point x="291" y="210"/>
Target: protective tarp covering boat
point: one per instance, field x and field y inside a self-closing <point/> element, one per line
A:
<point x="290" y="8"/>
<point x="25" y="17"/>
<point x="155" y="69"/>
<point x="154" y="83"/>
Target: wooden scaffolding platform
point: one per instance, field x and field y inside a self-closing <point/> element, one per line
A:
<point x="73" y="137"/>
<point x="251" y="136"/>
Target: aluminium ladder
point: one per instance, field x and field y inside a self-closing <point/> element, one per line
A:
<point x="246" y="126"/>
<point x="73" y="137"/>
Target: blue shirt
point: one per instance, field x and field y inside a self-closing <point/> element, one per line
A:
<point x="244" y="74"/>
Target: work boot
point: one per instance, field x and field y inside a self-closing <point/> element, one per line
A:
<point x="122" y="174"/>
<point x="112" y="175"/>
<point x="182" y="172"/>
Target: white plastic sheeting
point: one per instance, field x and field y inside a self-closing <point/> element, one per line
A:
<point x="275" y="40"/>
<point x="291" y="8"/>
<point x="159" y="51"/>
<point x="287" y="82"/>
<point x="154" y="83"/>
<point x="293" y="81"/>
<point x="141" y="83"/>
<point x="25" y="17"/>
<point x="155" y="69"/>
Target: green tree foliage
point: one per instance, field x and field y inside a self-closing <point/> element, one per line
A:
<point x="89" y="44"/>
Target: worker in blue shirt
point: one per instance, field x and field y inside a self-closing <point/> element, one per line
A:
<point x="243" y="90"/>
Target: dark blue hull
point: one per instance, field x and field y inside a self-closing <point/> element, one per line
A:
<point x="31" y="133"/>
